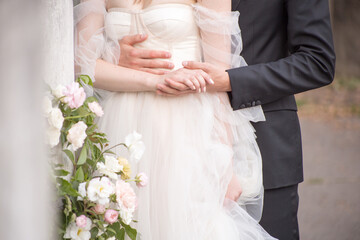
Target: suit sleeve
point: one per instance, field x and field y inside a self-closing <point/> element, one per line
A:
<point x="311" y="63"/>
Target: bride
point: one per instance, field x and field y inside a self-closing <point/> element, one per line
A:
<point x="202" y="158"/>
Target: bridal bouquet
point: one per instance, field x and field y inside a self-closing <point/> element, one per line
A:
<point x="98" y="200"/>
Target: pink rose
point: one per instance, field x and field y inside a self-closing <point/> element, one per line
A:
<point x="81" y="221"/>
<point x="96" y="108"/>
<point x="99" y="209"/>
<point x="74" y="95"/>
<point x="142" y="180"/>
<point x="111" y="216"/>
<point x="125" y="195"/>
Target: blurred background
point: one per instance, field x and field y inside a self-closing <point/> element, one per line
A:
<point x="330" y="124"/>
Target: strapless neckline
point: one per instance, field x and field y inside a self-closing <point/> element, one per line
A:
<point x="150" y="8"/>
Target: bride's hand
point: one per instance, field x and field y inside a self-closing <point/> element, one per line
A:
<point x="183" y="81"/>
<point x="234" y="189"/>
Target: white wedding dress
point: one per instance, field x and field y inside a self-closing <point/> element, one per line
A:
<point x="193" y="143"/>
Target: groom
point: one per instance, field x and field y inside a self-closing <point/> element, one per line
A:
<point x="288" y="46"/>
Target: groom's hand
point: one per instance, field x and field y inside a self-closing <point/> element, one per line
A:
<point x="234" y="189"/>
<point x="142" y="59"/>
<point x="217" y="74"/>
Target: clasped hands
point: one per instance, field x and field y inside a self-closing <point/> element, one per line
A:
<point x="194" y="77"/>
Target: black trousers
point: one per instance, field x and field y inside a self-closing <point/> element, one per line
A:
<point x="279" y="217"/>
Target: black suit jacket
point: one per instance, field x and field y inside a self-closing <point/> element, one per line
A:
<point x="289" y="48"/>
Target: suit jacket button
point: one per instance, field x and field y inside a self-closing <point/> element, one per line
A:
<point x="258" y="102"/>
<point x="242" y="106"/>
<point x="253" y="104"/>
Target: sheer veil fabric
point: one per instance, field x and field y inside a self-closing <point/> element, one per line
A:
<point x="194" y="143"/>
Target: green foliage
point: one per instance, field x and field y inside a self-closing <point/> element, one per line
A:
<point x="66" y="188"/>
<point x="79" y="175"/>
<point x="83" y="156"/>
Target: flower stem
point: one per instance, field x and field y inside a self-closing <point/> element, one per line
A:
<point x="114" y="147"/>
<point x="80" y="116"/>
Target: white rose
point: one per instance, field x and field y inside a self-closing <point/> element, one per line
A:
<point x="58" y="91"/>
<point x="96" y="108"/>
<point x="56" y="118"/>
<point x="99" y="190"/>
<point x="110" y="168"/>
<point x="82" y="191"/>
<point x="53" y="136"/>
<point x="77" y="135"/>
<point x="46" y="106"/>
<point x="76" y="233"/>
<point x="126" y="216"/>
<point x="135" y="146"/>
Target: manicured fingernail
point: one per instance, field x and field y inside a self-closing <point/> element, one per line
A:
<point x="212" y="81"/>
<point x="143" y="35"/>
<point x="171" y="65"/>
<point x="204" y="89"/>
<point x="168" y="55"/>
<point x="184" y="63"/>
<point x="193" y="87"/>
<point x="199" y="90"/>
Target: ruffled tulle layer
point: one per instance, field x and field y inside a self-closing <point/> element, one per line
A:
<point x="193" y="145"/>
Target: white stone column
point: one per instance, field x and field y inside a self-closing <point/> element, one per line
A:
<point x="36" y="44"/>
<point x="59" y="46"/>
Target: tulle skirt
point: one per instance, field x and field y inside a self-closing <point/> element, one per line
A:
<point x="194" y="144"/>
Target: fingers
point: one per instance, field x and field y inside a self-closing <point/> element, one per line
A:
<point x="195" y="65"/>
<point x="154" y="54"/>
<point x="153" y="63"/>
<point x="154" y="71"/>
<point x="196" y="83"/>
<point x="161" y="93"/>
<point x="168" y="90"/>
<point x="178" y="86"/>
<point x="133" y="39"/>
<point x="202" y="82"/>
<point x="207" y="77"/>
<point x="137" y="58"/>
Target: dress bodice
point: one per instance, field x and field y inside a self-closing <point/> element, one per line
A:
<point x="170" y="27"/>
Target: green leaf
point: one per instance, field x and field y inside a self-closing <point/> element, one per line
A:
<point x="131" y="232"/>
<point x="120" y="232"/>
<point x="85" y="79"/>
<point x="61" y="173"/>
<point x="90" y="100"/>
<point x="82" y="111"/>
<point x="69" y="154"/>
<point x="79" y="175"/>
<point x="110" y="152"/>
<point x="94" y="232"/>
<point x="112" y="231"/>
<point x="67" y="188"/>
<point x="91" y="129"/>
<point x="83" y="156"/>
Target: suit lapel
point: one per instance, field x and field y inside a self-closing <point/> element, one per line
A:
<point x="234" y="4"/>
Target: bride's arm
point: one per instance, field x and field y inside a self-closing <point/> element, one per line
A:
<point x="97" y="55"/>
<point x="120" y="79"/>
<point x="90" y="46"/>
